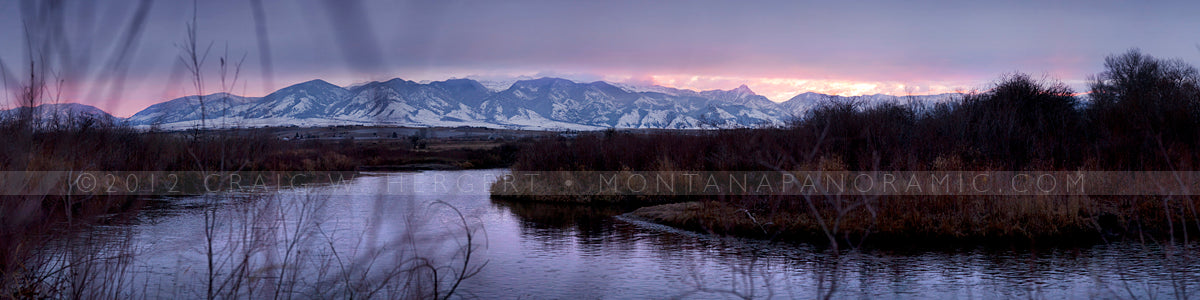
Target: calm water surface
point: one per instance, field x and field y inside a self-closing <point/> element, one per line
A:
<point x="535" y="251"/>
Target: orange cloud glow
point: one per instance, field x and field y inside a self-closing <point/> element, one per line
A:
<point x="781" y="89"/>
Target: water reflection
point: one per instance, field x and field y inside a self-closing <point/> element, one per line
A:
<point x="697" y="265"/>
<point x="540" y="250"/>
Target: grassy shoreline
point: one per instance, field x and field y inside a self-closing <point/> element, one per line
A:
<point x="999" y="222"/>
<point x="83" y="143"/>
<point x="901" y="221"/>
<point x="1141" y="113"/>
<point x="896" y="221"/>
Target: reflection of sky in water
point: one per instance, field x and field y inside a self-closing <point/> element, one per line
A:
<point x="564" y="251"/>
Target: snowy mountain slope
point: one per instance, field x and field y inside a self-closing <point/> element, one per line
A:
<point x="51" y="112"/>
<point x="405" y="102"/>
<point x="543" y="103"/>
<point x="305" y="100"/>
<point x="220" y="106"/>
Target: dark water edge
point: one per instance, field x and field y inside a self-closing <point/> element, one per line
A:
<point x="787" y="270"/>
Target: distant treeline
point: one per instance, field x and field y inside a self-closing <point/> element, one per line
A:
<point x="83" y="142"/>
<point x="89" y="143"/>
<point x="1141" y="113"/>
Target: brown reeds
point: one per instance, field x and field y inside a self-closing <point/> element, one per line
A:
<point x="1142" y="115"/>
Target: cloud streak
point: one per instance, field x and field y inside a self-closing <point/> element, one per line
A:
<point x="778" y="48"/>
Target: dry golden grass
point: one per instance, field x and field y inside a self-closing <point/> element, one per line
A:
<point x="888" y="219"/>
<point x="943" y="219"/>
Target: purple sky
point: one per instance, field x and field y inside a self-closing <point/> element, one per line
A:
<point x="777" y="48"/>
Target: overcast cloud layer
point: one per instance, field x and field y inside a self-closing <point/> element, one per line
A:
<point x="778" y="48"/>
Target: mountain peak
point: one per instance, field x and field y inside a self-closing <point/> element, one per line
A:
<point x="398" y="80"/>
<point x="540" y="82"/>
<point x="459" y="84"/>
<point x="743" y="89"/>
<point x="310" y="86"/>
<point x="317" y="82"/>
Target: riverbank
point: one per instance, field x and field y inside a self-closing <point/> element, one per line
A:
<point x="85" y="144"/>
<point x="889" y="221"/>
<point x="1019" y="124"/>
<point x="899" y="221"/>
<point x="546" y="250"/>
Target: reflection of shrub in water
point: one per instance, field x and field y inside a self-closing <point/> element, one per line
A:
<point x="254" y="247"/>
<point x="561" y="216"/>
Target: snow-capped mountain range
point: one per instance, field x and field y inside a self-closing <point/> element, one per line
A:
<point x="544" y="103"/>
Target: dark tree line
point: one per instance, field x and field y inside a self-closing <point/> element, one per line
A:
<point x="1141" y="113"/>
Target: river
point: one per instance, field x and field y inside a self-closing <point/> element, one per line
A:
<point x="364" y="244"/>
